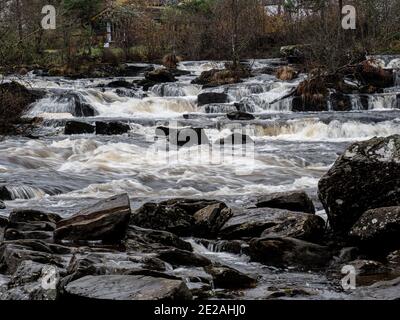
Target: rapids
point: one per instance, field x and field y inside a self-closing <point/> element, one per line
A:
<point x="291" y="150"/>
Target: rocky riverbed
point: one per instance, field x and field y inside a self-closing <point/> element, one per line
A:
<point x="102" y="200"/>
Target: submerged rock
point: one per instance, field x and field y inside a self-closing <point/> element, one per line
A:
<point x="289" y="252"/>
<point x="187" y="137"/>
<point x="378" y="229"/>
<point x="112" y="128"/>
<point x="297" y="201"/>
<point x="2" y="205"/>
<point x="78" y="127"/>
<point x="235" y="139"/>
<point x="212" y="97"/>
<point x="366" y="176"/>
<point x="127" y="287"/>
<point x="107" y="220"/>
<point x="240" y="116"/>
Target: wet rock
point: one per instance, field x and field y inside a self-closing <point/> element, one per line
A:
<point x="160" y="76"/>
<point x="235" y="139"/>
<point x="289" y="252"/>
<point x="378" y="229"/>
<point x="229" y="278"/>
<point x="294" y="53"/>
<point x="15" y="234"/>
<point x="3" y="227"/>
<point x="210" y="220"/>
<point x="2" y="205"/>
<point x="116" y="287"/>
<point x="366" y="176"/>
<point x="240" y="116"/>
<point x="238" y="247"/>
<point x="79" y="108"/>
<point x="251" y="223"/>
<point x="297" y="201"/>
<point x="368" y="267"/>
<point x="16" y="89"/>
<point x="5" y="194"/>
<point x="112" y="128"/>
<point x="147" y="240"/>
<point x="216" y="77"/>
<point x="383" y="290"/>
<point x="113" y="263"/>
<point x="178" y="257"/>
<point x="393" y="260"/>
<point x="286" y="73"/>
<point x="340" y="102"/>
<point x="187" y="137"/>
<point x="289" y="293"/>
<point x="212" y="97"/>
<point x="176" y="215"/>
<point x="300" y="226"/>
<point x="13" y="253"/>
<point x="78" y="127"/>
<point x="32" y="281"/>
<point x="107" y="221"/>
<point x="30" y="216"/>
<point x="120" y="84"/>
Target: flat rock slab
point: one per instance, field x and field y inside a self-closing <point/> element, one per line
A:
<point x="127" y="288"/>
<point x="297" y="201"/>
<point x="107" y="221"/>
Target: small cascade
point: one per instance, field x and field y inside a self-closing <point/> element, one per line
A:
<point x="24" y="192"/>
<point x="73" y="103"/>
<point x="218" y="108"/>
<point x="382" y="101"/>
<point x="356" y="103"/>
<point x="175" y="90"/>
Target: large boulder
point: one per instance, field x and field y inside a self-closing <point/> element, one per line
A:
<point x="297" y="201"/>
<point x="177" y="258"/>
<point x="289" y="252"/>
<point x="366" y="176"/>
<point x="160" y="76"/>
<point x="127" y="287"/>
<point x="252" y="223"/>
<point x="107" y="221"/>
<point x="378" y="229"/>
<point x="212" y="97"/>
<point x="78" y="106"/>
<point x="182" y="216"/>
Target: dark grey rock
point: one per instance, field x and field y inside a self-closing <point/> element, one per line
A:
<point x="177" y="257"/>
<point x="212" y="97"/>
<point x="77" y="127"/>
<point x="229" y="278"/>
<point x="289" y="252"/>
<point x="107" y="220"/>
<point x="378" y="229"/>
<point x="111" y="128"/>
<point x="297" y="201"/>
<point x="366" y="176"/>
<point x="117" y="287"/>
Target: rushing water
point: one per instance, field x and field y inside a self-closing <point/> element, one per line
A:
<point x="292" y="150"/>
